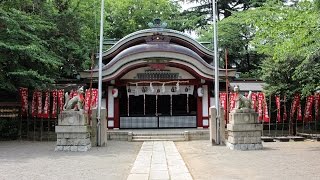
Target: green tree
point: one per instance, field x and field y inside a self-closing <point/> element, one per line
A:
<point x="126" y="16"/>
<point x="26" y="58"/>
<point x="289" y="37"/>
<point x="44" y="41"/>
<point x="235" y="35"/>
<point x="285" y="37"/>
<point x="201" y="14"/>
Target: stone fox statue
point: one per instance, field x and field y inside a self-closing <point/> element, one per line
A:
<point x="75" y="103"/>
<point x="242" y="101"/>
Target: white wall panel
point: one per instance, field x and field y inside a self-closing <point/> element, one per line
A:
<point x="110" y="102"/>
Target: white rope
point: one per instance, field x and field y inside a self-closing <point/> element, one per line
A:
<point x="158" y="82"/>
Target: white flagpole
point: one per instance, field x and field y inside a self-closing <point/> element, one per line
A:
<point x="100" y="77"/>
<point x="216" y="70"/>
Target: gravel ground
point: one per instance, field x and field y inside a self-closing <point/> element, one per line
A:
<point x="37" y="160"/>
<point x="278" y="160"/>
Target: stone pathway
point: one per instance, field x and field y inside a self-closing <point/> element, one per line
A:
<point x="159" y="160"/>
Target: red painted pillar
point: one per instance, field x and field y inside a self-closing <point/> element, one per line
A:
<point x="199" y="112"/>
<point x="116" y="113"/>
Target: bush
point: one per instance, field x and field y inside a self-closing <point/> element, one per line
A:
<point x="8" y="129"/>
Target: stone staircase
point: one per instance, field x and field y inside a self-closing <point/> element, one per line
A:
<point x="159" y="136"/>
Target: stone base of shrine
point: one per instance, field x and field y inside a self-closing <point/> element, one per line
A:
<point x="73" y="142"/>
<point x="244" y="131"/>
<point x="73" y="134"/>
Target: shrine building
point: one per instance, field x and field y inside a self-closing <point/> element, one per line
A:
<point x="158" y="78"/>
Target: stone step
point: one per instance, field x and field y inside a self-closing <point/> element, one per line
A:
<point x="296" y="138"/>
<point x="142" y="140"/>
<point x="156" y="137"/>
<point x="158" y="134"/>
<point x="267" y="139"/>
<point x="282" y="139"/>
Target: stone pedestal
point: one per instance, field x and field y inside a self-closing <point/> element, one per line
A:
<point x="104" y="127"/>
<point x="214" y="129"/>
<point x="73" y="133"/>
<point x="244" y="131"/>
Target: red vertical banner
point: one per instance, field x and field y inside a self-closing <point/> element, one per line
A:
<point x="260" y="106"/>
<point x="54" y="103"/>
<point x="46" y="107"/>
<point x="254" y="101"/>
<point x="316" y="105"/>
<point x="294" y="105"/>
<point x="232" y="101"/>
<point x="24" y="101"/>
<point x="285" y="115"/>
<point x="278" y="105"/>
<point x="299" y="113"/>
<point x="308" y="109"/>
<point x="88" y="101"/>
<point x="34" y="104"/>
<point x="94" y="101"/>
<point x="39" y="104"/>
<point x="223" y="101"/>
<point x="266" y="117"/>
<point x="60" y="100"/>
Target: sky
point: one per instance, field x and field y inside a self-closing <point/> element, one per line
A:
<point x="185" y="6"/>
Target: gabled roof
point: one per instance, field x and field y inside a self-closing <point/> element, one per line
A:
<point x="172" y="36"/>
<point x="157" y="45"/>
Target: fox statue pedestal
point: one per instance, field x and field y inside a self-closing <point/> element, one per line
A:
<point x="244" y="131"/>
<point x="73" y="133"/>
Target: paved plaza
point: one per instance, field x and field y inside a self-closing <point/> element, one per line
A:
<point x="159" y="160"/>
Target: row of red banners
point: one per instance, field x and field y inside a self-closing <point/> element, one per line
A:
<point x="260" y="106"/>
<point x="311" y="100"/>
<point x="40" y="110"/>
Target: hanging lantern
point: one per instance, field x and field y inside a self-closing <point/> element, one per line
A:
<point x="115" y="92"/>
<point x="200" y="91"/>
<point x="136" y="90"/>
<point x="163" y="88"/>
<point x="151" y="88"/>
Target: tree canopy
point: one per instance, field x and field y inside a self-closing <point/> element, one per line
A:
<point x="44" y="41"/>
<point x="277" y="41"/>
<point x="289" y="37"/>
<point x="126" y="16"/>
<point x="26" y="58"/>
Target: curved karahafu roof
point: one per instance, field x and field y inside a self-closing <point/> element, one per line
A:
<point x="157" y="45"/>
<point x="173" y="36"/>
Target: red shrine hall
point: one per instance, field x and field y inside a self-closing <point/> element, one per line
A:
<point x="158" y="78"/>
